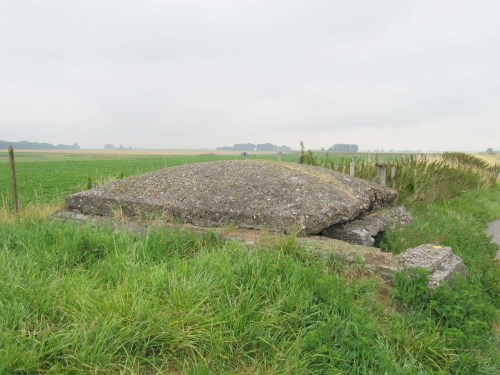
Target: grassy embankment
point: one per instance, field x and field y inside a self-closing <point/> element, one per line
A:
<point x="80" y="300"/>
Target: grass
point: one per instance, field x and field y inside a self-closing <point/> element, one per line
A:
<point x="459" y="223"/>
<point x="418" y="179"/>
<point x="76" y="299"/>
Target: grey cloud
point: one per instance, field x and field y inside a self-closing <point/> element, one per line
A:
<point x="208" y="73"/>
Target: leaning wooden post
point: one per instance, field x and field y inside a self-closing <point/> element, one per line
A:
<point x="15" y="202"/>
<point x="352" y="168"/>
<point x="280" y="156"/>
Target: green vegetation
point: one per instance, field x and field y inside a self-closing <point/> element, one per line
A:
<point x="418" y="180"/>
<point x="49" y="177"/>
<point x="75" y="299"/>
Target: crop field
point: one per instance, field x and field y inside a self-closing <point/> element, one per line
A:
<point x="82" y="300"/>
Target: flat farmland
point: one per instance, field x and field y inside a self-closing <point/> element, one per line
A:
<point x="47" y="177"/>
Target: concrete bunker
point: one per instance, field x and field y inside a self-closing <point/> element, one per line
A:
<point x="333" y="213"/>
<point x="256" y="194"/>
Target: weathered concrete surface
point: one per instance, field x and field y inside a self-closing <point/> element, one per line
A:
<point x="363" y="230"/>
<point x="493" y="230"/>
<point x="398" y="218"/>
<point x="439" y="261"/>
<point x="255" y="194"/>
<point x="383" y="263"/>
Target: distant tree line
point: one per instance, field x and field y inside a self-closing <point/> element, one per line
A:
<point x="342" y="147"/>
<point x="109" y="146"/>
<point x="26" y="145"/>
<point x="254" y="147"/>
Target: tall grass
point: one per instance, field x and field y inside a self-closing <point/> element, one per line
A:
<point x="418" y="179"/>
<point x="79" y="300"/>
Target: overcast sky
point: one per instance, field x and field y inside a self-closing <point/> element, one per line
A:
<point x="386" y="74"/>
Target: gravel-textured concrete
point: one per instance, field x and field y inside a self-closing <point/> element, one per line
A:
<point x="439" y="261"/>
<point x="244" y="193"/>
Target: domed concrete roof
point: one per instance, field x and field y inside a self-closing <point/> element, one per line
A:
<point x="244" y="193"/>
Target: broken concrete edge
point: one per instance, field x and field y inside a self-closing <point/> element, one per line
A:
<point x="439" y="261"/>
<point x="372" y="258"/>
<point x="365" y="229"/>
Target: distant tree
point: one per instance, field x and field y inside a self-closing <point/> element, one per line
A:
<point x="27" y="145"/>
<point x="74" y="146"/>
<point x="271" y="147"/>
<point x="489" y="150"/>
<point x="252" y="147"/>
<point x="109" y="146"/>
<point x="265" y="147"/>
<point x="244" y="147"/>
<point x="341" y="147"/>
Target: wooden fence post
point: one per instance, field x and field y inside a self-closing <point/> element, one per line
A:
<point x="15" y="202"/>
<point x="382" y="173"/>
<point x="393" y="176"/>
<point x="280" y="156"/>
<point x="352" y="169"/>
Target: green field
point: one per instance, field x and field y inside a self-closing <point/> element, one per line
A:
<point x="49" y="177"/>
<point x="75" y="299"/>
